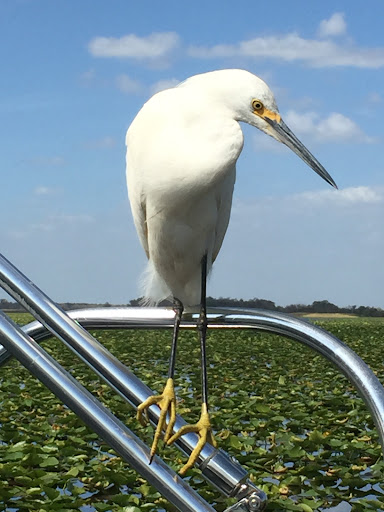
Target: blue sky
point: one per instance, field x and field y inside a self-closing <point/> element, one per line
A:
<point x="74" y="74"/>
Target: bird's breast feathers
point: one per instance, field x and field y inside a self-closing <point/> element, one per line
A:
<point x="182" y="150"/>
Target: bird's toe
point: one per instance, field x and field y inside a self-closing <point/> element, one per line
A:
<point x="203" y="429"/>
<point x="167" y="403"/>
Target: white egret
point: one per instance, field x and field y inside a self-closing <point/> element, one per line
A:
<point x="182" y="149"/>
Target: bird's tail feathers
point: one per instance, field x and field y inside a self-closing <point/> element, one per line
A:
<point x="152" y="286"/>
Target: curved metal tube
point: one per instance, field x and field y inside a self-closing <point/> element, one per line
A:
<point x="99" y="418"/>
<point x="337" y="352"/>
<point x="224" y="472"/>
<point x="217" y="467"/>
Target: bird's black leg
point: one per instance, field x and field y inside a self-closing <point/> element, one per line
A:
<point x="178" y="308"/>
<point x="167" y="400"/>
<point x="202" y="324"/>
<point x="203" y="426"/>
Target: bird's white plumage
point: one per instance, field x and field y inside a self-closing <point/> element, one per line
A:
<point x="181" y="167"/>
<point x="182" y="149"/>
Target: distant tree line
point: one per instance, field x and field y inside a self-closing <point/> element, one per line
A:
<point x="318" y="306"/>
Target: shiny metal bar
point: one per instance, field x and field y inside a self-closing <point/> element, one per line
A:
<point x="99" y="419"/>
<point x="338" y="353"/>
<point x="216" y="466"/>
<point x="222" y="471"/>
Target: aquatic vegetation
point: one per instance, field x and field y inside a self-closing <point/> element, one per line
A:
<point x="283" y="411"/>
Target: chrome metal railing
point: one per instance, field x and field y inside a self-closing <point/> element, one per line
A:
<point x="224" y="472"/>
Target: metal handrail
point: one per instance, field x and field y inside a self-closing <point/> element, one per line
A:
<point x="99" y="419"/>
<point x="217" y="467"/>
<point x="319" y="340"/>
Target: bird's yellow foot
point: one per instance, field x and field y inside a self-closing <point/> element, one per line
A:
<point x="204" y="429"/>
<point x="167" y="403"/>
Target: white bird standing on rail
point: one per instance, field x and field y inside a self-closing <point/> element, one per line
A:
<point x="181" y="168"/>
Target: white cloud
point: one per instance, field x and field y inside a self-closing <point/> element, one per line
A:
<point x="375" y="98"/>
<point x="339" y="127"/>
<point x="292" y="47"/>
<point x="343" y="197"/>
<point x="128" y="85"/>
<point x="357" y="199"/>
<point x="106" y="142"/>
<point x="334" y="128"/>
<point x="156" y="45"/>
<point x="43" y="191"/>
<point x="161" y="85"/>
<point x="334" y="26"/>
<point x="296" y="249"/>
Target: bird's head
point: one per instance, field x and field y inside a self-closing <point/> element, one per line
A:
<point x="263" y="113"/>
<point x="250" y="100"/>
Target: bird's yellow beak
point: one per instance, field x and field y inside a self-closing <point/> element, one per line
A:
<point x="268" y="115"/>
<point x="286" y="136"/>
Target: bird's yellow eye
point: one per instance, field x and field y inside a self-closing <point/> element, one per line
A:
<point x="257" y="105"/>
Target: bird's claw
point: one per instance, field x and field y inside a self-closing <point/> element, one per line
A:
<point x="167" y="403"/>
<point x="204" y="429"/>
